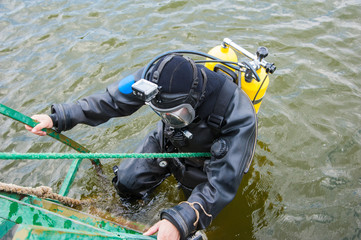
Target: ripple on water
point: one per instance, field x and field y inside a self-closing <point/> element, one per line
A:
<point x="304" y="182"/>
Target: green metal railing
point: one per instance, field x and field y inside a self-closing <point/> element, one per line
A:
<point x="37" y="218"/>
<point x="69" y="178"/>
<point x="84" y="153"/>
<point x="29" y="217"/>
<point x="9" y="112"/>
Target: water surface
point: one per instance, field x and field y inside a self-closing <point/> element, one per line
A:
<point x="305" y="180"/>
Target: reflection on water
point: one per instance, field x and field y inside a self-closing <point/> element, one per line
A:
<point x="305" y="180"/>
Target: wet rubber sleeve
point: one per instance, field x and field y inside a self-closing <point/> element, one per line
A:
<point x="224" y="170"/>
<point x="175" y="215"/>
<point x="95" y="109"/>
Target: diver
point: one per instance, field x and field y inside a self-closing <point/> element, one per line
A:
<point x="201" y="111"/>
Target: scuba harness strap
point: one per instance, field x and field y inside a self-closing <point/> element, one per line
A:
<point x="216" y="118"/>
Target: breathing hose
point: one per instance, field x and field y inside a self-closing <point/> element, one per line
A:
<point x="150" y="64"/>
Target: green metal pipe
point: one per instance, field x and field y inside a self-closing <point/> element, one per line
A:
<point x="60" y="137"/>
<point x="70" y="176"/>
<point x="6" y="111"/>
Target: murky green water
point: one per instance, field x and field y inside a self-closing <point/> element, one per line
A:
<point x="305" y="181"/>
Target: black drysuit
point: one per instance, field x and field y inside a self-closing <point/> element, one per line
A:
<point x="214" y="181"/>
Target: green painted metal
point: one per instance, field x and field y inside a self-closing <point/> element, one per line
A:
<point x="38" y="156"/>
<point x="5" y="226"/>
<point x="69" y="178"/>
<point x="42" y="219"/>
<point x="64" y="190"/>
<point x="58" y="136"/>
<point x="75" y="214"/>
<point x="29" y="217"/>
<point x="25" y="232"/>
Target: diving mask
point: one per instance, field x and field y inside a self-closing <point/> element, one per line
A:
<point x="177" y="117"/>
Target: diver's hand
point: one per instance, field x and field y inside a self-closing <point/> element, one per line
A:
<point x="166" y="230"/>
<point x="44" y="122"/>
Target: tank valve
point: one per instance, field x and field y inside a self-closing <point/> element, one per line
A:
<point x="262" y="52"/>
<point x="270" y="68"/>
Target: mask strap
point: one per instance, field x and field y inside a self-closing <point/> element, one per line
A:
<point x="156" y="73"/>
<point x="194" y="83"/>
<point x="200" y="97"/>
<point x="195" y="73"/>
<point x="203" y="94"/>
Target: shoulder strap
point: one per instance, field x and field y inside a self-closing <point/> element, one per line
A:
<point x="216" y="118"/>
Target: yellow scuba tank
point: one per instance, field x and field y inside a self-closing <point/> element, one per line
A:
<point x="224" y="53"/>
<point x="254" y="88"/>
